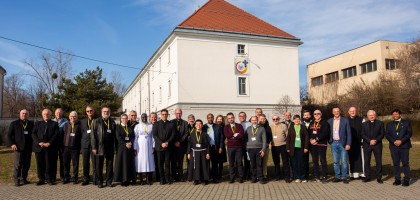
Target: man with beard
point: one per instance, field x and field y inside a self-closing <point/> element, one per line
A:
<point x="355" y="153"/>
<point x="217" y="143"/>
<point x="307" y="119"/>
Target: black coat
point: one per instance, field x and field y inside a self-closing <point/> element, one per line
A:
<point x="124" y="161"/>
<point x="99" y="133"/>
<point x="291" y="136"/>
<point x="46" y="132"/>
<point x="181" y="131"/>
<point x="16" y="134"/>
<point x="84" y="127"/>
<point x="404" y="134"/>
<point x="72" y="141"/>
<point x="377" y="133"/>
<point x="356" y="130"/>
<point x="163" y="132"/>
<point x="322" y="133"/>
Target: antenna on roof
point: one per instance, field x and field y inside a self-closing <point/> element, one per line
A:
<point x="198" y="7"/>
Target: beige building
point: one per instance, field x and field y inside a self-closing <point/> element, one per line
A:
<point x="334" y="76"/>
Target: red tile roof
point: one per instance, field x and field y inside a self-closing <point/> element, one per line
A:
<point x="220" y="15"/>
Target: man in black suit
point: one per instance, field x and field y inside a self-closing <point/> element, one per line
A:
<point x="164" y="134"/>
<point x="398" y="133"/>
<point x="45" y="147"/>
<point x="180" y="146"/>
<point x="103" y="144"/>
<point x="86" y="129"/>
<point x="20" y="139"/>
<point x="217" y="143"/>
<point x="372" y="133"/>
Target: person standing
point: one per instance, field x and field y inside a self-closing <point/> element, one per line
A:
<point x="103" y="146"/>
<point x="297" y="144"/>
<point x="355" y="153"/>
<point x="124" y="162"/>
<point x="153" y="120"/>
<point x="199" y="154"/>
<point x="220" y="122"/>
<point x="340" y="140"/>
<point x="306" y="120"/>
<point x="216" y="145"/>
<point x="262" y="121"/>
<point x="61" y="122"/>
<point x="180" y="146"/>
<point x="319" y="134"/>
<point x="372" y="133"/>
<point x="132" y="121"/>
<point x="20" y="140"/>
<point x="44" y="138"/>
<point x="247" y="165"/>
<point x="86" y="130"/>
<point x="144" y="148"/>
<point x="234" y="134"/>
<point x="256" y="143"/>
<point x="278" y="149"/>
<point x="398" y="132"/>
<point x="164" y="134"/>
<point x="72" y="144"/>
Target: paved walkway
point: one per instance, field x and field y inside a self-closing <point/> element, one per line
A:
<point x="273" y="190"/>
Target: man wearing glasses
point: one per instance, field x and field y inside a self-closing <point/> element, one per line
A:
<point x="278" y="148"/>
<point x="319" y="134"/>
<point x="86" y="128"/>
<point x="180" y="146"/>
<point x="164" y="134"/>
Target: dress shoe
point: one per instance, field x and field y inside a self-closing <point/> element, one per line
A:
<point x="24" y="181"/>
<point x="170" y="182"/>
<point x="254" y="181"/>
<point x="51" y="183"/>
<point x="162" y="183"/>
<point x="215" y="181"/>
<point x="195" y="183"/>
<point x="406" y="183"/>
<point x="288" y="180"/>
<point x="40" y="183"/>
<point x="75" y="182"/>
<point x="109" y="185"/>
<point x="365" y="180"/>
<point x="336" y="180"/>
<point x="263" y="182"/>
<point x="204" y="183"/>
<point x="85" y="183"/>
<point x="324" y="180"/>
<point x="346" y="181"/>
<point x="397" y="182"/>
<point x="100" y="185"/>
<point x="241" y="180"/>
<point x="379" y="180"/>
<point x="65" y="181"/>
<point x="17" y="183"/>
<point x="232" y="181"/>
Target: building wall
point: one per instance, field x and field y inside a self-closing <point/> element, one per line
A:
<point x="379" y="51"/>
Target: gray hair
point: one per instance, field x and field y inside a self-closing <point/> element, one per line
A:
<point x="371" y="111"/>
<point x="133" y="111"/>
<point x="124" y="115"/>
<point x="73" y="113"/>
<point x="191" y="116"/>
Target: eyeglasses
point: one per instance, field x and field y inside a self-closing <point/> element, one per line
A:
<point x="317" y="113"/>
<point x="88" y="111"/>
<point x="164" y="114"/>
<point x="275" y="119"/>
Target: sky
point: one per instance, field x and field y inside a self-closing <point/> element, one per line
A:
<point x="128" y="32"/>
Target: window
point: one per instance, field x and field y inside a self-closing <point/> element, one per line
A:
<point x="241" y="49"/>
<point x="349" y="72"/>
<point x="368" y="67"/>
<point x="242" y="86"/>
<point x="391" y="64"/>
<point x="331" y="77"/>
<point x="169" y="89"/>
<point x="317" y="81"/>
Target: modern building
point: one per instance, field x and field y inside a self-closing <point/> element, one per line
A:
<point x="220" y="59"/>
<point x="2" y="74"/>
<point x="335" y="75"/>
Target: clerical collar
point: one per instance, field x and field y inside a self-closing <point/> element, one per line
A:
<point x="397" y="120"/>
<point x="372" y="121"/>
<point x="232" y="125"/>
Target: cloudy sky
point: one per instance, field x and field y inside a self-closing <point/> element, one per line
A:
<point x="128" y="32"/>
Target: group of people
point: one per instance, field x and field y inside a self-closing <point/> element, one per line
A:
<point x="155" y="150"/>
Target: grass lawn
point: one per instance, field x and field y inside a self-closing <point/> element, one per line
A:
<point x="6" y="165"/>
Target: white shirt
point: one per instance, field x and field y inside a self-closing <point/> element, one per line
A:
<point x="210" y="132"/>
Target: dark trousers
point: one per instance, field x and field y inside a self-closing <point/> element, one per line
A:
<point x="377" y="152"/>
<point x="86" y="156"/>
<point x="319" y="153"/>
<point x="298" y="160"/>
<point x="46" y="162"/>
<point x="71" y="155"/>
<point x="398" y="156"/>
<point x="214" y="159"/>
<point x="256" y="164"/>
<point x="22" y="163"/>
<point x="163" y="162"/>
<point x="277" y="152"/>
<point x="235" y="157"/>
<point x="61" y="159"/>
<point x="247" y="164"/>
<point x="157" y="174"/>
<point x="177" y="162"/>
<point x="109" y="156"/>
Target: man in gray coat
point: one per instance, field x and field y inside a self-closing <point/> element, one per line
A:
<point x="256" y="143"/>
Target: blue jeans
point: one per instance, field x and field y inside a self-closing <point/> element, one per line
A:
<point x="339" y="153"/>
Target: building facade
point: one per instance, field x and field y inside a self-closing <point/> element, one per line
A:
<point x="334" y="76"/>
<point x="221" y="59"/>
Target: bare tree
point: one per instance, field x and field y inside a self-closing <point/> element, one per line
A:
<point x="117" y="81"/>
<point x="303" y="92"/>
<point x="284" y="104"/>
<point x="14" y="95"/>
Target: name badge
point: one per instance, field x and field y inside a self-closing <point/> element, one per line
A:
<point x="108" y="130"/>
<point x="72" y="134"/>
<point x="397" y="133"/>
<point x="127" y="138"/>
<point x="314" y="132"/>
<point x="253" y="138"/>
<point x="298" y="139"/>
<point x="25" y="132"/>
<point x="89" y="131"/>
<point x="275" y="136"/>
<point x="198" y="145"/>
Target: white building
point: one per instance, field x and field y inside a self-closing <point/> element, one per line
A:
<point x="221" y="59"/>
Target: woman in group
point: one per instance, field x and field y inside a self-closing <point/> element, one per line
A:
<point x="124" y="162"/>
<point x="199" y="154"/>
<point x="297" y="143"/>
<point x="143" y="146"/>
<point x="220" y="121"/>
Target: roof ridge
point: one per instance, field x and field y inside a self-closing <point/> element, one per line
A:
<point x="195" y="12"/>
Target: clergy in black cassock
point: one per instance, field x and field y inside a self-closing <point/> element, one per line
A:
<point x="199" y="154"/>
<point x="124" y="162"/>
<point x="355" y="154"/>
